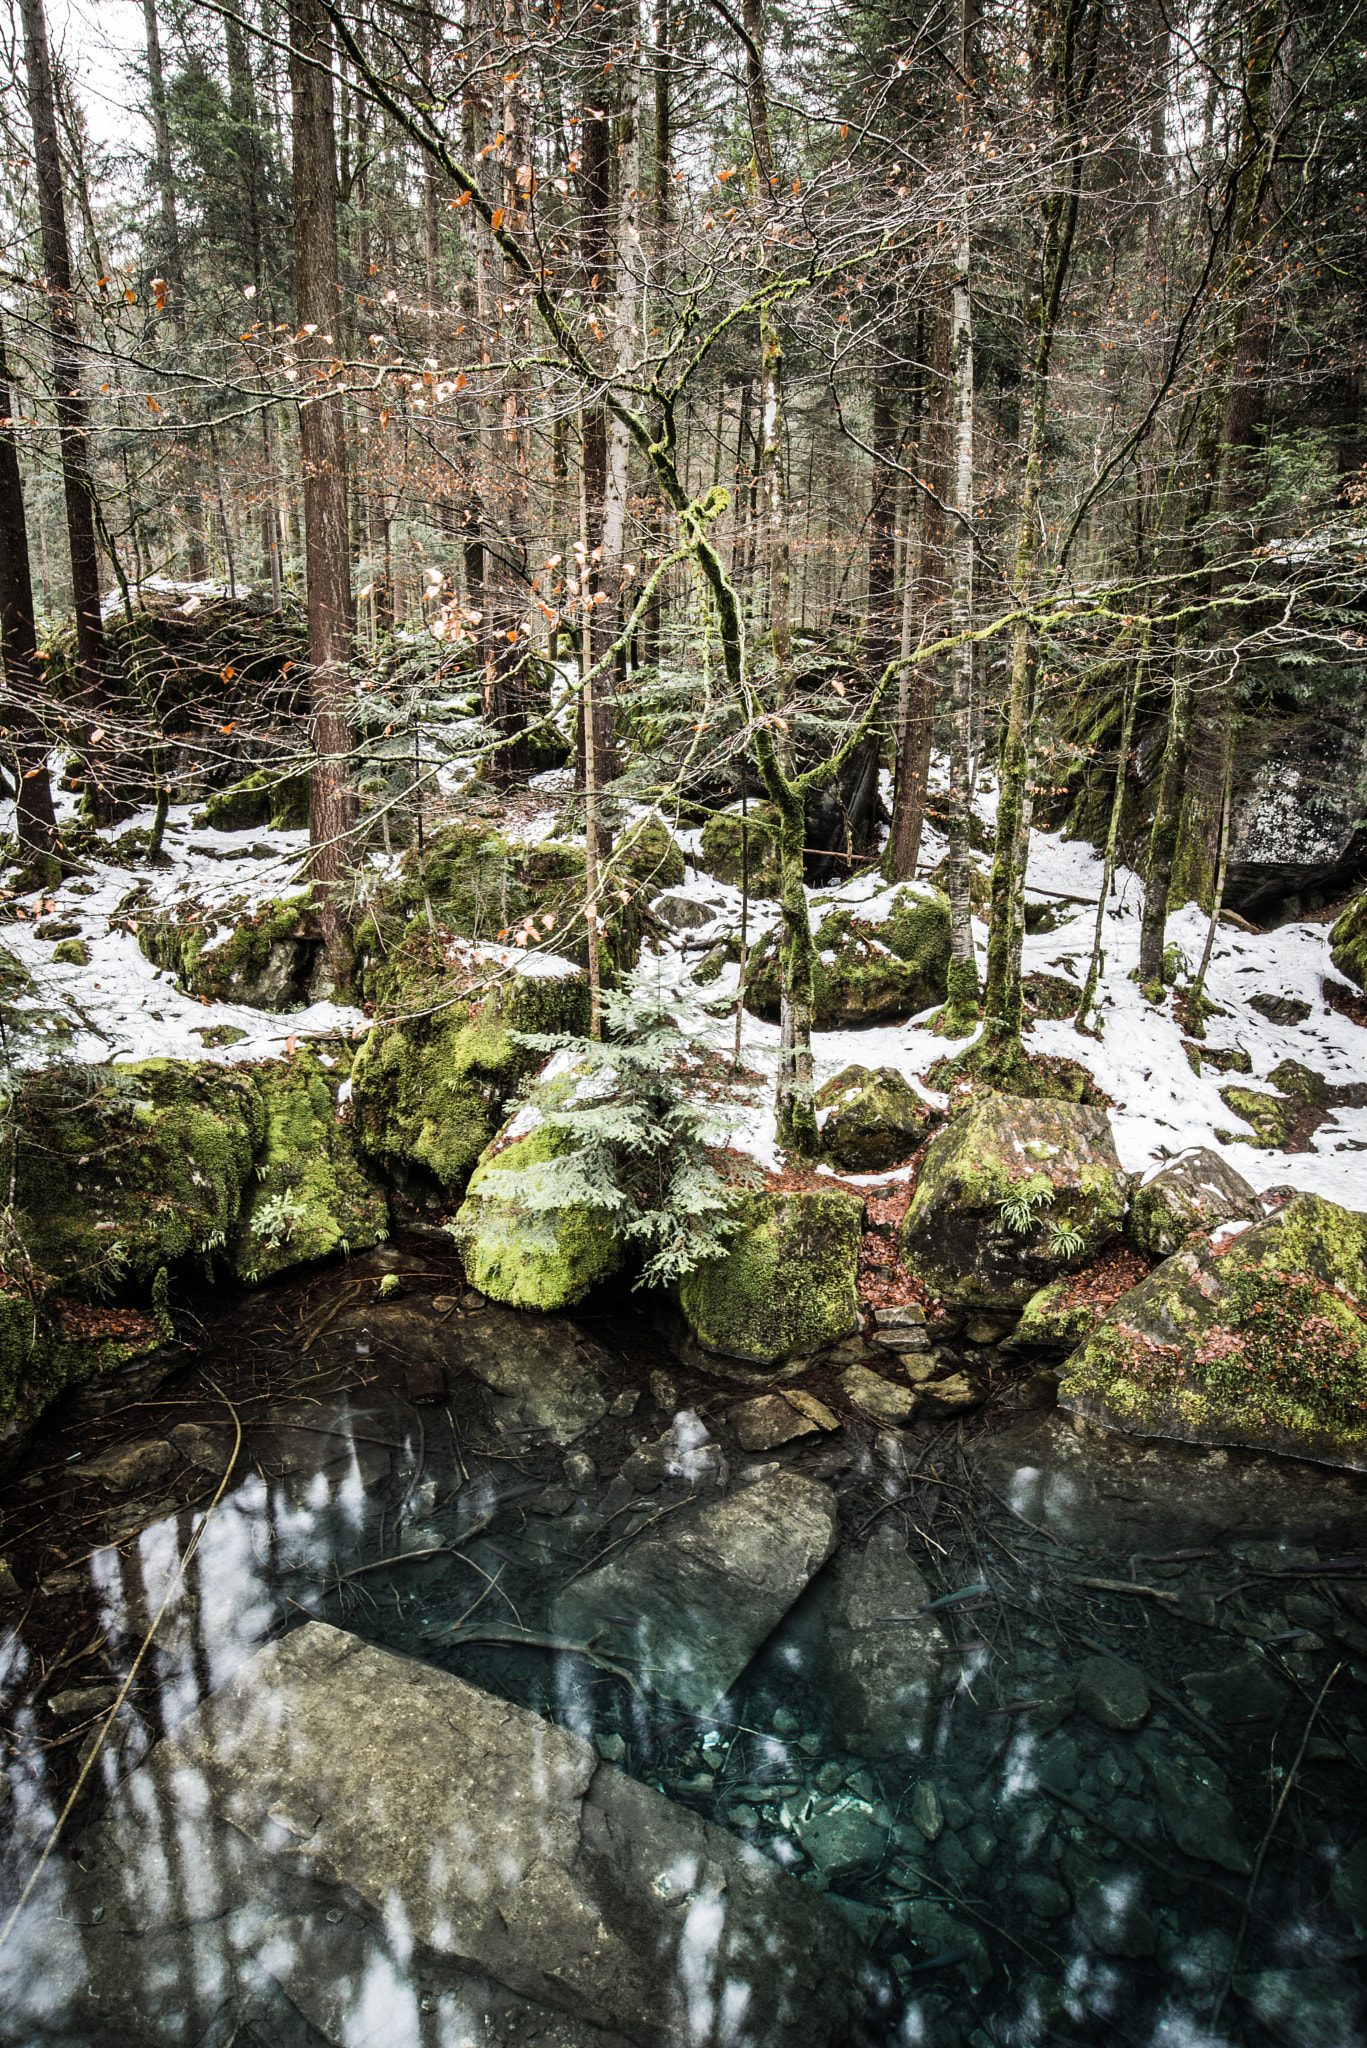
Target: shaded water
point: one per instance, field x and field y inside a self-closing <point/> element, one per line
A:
<point x="1021" y="1870"/>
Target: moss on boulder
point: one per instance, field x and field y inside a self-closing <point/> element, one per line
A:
<point x="1348" y="942"/>
<point x="865" y="972"/>
<point x="874" y="1120"/>
<point x="722" y="847"/>
<point x="1273" y="1117"/>
<point x="786" y="1286"/>
<point x="528" y="1260"/>
<point x="311" y="1197"/>
<point x="1012" y="1194"/>
<point x="264" y="799"/>
<point x="45" y="1348"/>
<point x="263" y="960"/>
<point x="431" y="1089"/>
<point x="1258" y="1341"/>
<point x="1054" y="1319"/>
<point x="1193" y="1192"/>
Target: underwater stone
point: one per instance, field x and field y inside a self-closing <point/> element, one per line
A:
<point x="1303" y="2008"/>
<point x="925" y="1810"/>
<point x="1193" y="1807"/>
<point x="881" y="1676"/>
<point x="130" y="1466"/>
<point x="883" y="1398"/>
<point x="1113" y="1694"/>
<point x="763" y="1424"/>
<point x="543" y="1373"/>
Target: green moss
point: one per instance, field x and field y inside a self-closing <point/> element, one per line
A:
<point x="1262" y="1344"/>
<point x="651" y="856"/>
<point x="241" y="967"/>
<point x="876" y="1119"/>
<point x="38" y="1358"/>
<point x="311" y="1198"/>
<point x="264" y="799"/>
<point x="524" y="1260"/>
<point x="787" y="1284"/>
<point x="1054" y="1321"/>
<point x="721" y="849"/>
<point x="1273" y="1117"/>
<point x="71" y="953"/>
<point x="877" y="971"/>
<point x="431" y="1090"/>
<point x="1348" y="942"/>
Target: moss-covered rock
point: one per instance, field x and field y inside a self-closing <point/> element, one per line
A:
<point x="786" y="1285"/>
<point x="1193" y="1192"/>
<point x="1348" y="942"/>
<point x="311" y="1197"/>
<point x="1273" y="1117"/>
<point x="264" y="960"/>
<point x="431" y="1088"/>
<point x="1261" y="1342"/>
<point x="875" y="1119"/>
<point x="865" y="972"/>
<point x="651" y="855"/>
<point x="71" y="953"/>
<point x="264" y="799"/>
<point x="722" y="847"/>
<point x="1012" y="1194"/>
<point x="47" y="1346"/>
<point x="526" y="1260"/>
<point x="1055" y="1318"/>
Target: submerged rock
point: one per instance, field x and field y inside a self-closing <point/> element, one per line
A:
<point x="866" y="971"/>
<point x="545" y="1375"/>
<point x="880" y="1674"/>
<point x="1195" y="1191"/>
<point x="693" y="1600"/>
<point x="1262" y="1343"/>
<point x="1015" y="1192"/>
<point x="786" y="1285"/>
<point x="874" y="1120"/>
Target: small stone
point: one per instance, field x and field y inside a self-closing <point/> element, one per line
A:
<point x="472" y="1299"/>
<point x="925" y="1810"/>
<point x="129" y="1466"/>
<point x="1245" y="1687"/>
<point x="1108" y="1906"/>
<point x="956" y="1865"/>
<point x="843" y="1837"/>
<point x="82" y="1701"/>
<point x="445" y="1304"/>
<point x="209" y="1449"/>
<point x="10" y="1589"/>
<point x="981" y="1843"/>
<point x="61" y="1585"/>
<point x="986" y="1330"/>
<point x="742" y="1817"/>
<point x="1349" y="1886"/>
<point x="767" y="1421"/>
<point x="899" y="1341"/>
<point x="950" y="1396"/>
<point x="814" y="1410"/>
<point x="1045" y="1897"/>
<point x="625" y="1403"/>
<point x="957" y="1812"/>
<point x="579" y="1469"/>
<point x="663" y="1392"/>
<point x="1194" y="1808"/>
<point x="556" y="1500"/>
<point x="1112" y="1693"/>
<point x="390" y="1288"/>
<point x="888" y="1402"/>
<point x="785" y="1723"/>
<point x="910" y="1317"/>
<point x="830" y="1778"/>
<point x="611" y="1748"/>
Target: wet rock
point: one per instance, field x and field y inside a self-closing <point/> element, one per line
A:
<point x="579" y="1470"/>
<point x="880" y="1676"/>
<point x="129" y="1467"/>
<point x="980" y="1842"/>
<point x="1113" y="1694"/>
<point x="198" y="1444"/>
<point x="1263" y="1344"/>
<point x="506" y="1845"/>
<point x="1303" y="2008"/>
<point x="1195" y="1191"/>
<point x="874" y="1119"/>
<point x="1349" y="1886"/>
<point x="704" y="1589"/>
<point x="79" y="1702"/>
<point x="785" y="1288"/>
<point x="938" y="1933"/>
<point x="1009" y="1196"/>
<point x="545" y="1375"/>
<point x="841" y="1834"/>
<point x="889" y="1402"/>
<point x="926" y="1812"/>
<point x="986" y="1329"/>
<point x="1245" y="1687"/>
<point x="1045" y="1897"/>
<point x="815" y="1411"/>
<point x="765" y="1423"/>
<point x="1108" y="1905"/>
<point x="951" y="1396"/>
<point x="956" y="1866"/>
<point x="1193" y="1806"/>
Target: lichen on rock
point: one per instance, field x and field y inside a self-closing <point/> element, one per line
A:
<point x="1256" y="1339"/>
<point x="1012" y="1194"/>
<point x="786" y="1286"/>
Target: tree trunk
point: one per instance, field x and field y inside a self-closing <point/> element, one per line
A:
<point x="174" y="265"/>
<point x="72" y="416"/>
<point x="35" y="824"/>
<point x="917" y="726"/>
<point x="596" y="256"/>
<point x="961" y="1007"/>
<point x="332" y="799"/>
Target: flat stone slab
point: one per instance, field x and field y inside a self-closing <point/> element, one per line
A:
<point x="881" y="1675"/>
<point x="503" y="1843"/>
<point x="694" y="1599"/>
<point x="545" y="1376"/>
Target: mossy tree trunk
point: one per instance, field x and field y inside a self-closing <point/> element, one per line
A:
<point x="35" y="822"/>
<point x="1134" y="684"/>
<point x="961" y="1005"/>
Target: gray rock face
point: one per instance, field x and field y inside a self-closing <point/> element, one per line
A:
<point x="501" y="1842"/>
<point x="694" y="1599"/>
<point x="1194" y="1192"/>
<point x="545" y="1376"/>
<point x="881" y="1676"/>
<point x="1298" y="802"/>
<point x="685" y="913"/>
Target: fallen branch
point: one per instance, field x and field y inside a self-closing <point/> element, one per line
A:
<point x="534" y="1639"/>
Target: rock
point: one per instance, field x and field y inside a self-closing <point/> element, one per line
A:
<point x="1054" y="1319"/>
<point x="1285" y="1010"/>
<point x="71" y="953"/>
<point x="1296" y="813"/>
<point x="504" y="1844"/>
<point x="265" y="961"/>
<point x="579" y="1470"/>
<point x="1261" y="1345"/>
<point x="210" y="1449"/>
<point x="925" y="1809"/>
<point x="265" y="799"/>
<point x="1273" y="1117"/>
<point x="814" y="1410"/>
<point x="881" y="1397"/>
<point x="1042" y="1896"/>
<point x="663" y="1391"/>
<point x="79" y="1702"/>
<point x="1195" y="1191"/>
<point x="1301" y="1082"/>
<point x="722" y="849"/>
<point x="880" y="1676"/>
<point x="1348" y="942"/>
<point x="10" y="1589"/>
<point x="866" y="971"/>
<point x="763" y="1424"/>
<point x="310" y="1198"/>
<point x="686" y="913"/>
<point x="1113" y="1694"/>
<point x="938" y="1933"/>
<point x="951" y="1396"/>
<point x="841" y="1834"/>
<point x="431" y="1090"/>
<point x="1349" y="1886"/>
<point x="129" y="1467"/>
<point x="986" y="1329"/>
<point x="1107" y="1901"/>
<point x="545" y="1376"/>
<point x="528" y="1259"/>
<point x="786" y="1285"/>
<point x="1244" y="1687"/>
<point x="1303" y="2008"/>
<point x="874" y="1119"/>
<point x="1193" y="1806"/>
<point x="705" y="1588"/>
<point x="1005" y="1161"/>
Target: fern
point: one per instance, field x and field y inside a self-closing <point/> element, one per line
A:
<point x="1066" y="1241"/>
<point x="1018" y="1210"/>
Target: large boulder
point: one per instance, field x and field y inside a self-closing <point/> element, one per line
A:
<point x="867" y="970"/>
<point x="310" y="1196"/>
<point x="881" y="1654"/>
<point x="1195" y="1191"/>
<point x="726" y="836"/>
<point x="873" y="1119"/>
<point x="1300" y="794"/>
<point x="785" y="1287"/>
<point x="268" y="959"/>
<point x="432" y="1082"/>
<point x="1348" y="942"/>
<point x="1257" y="1339"/>
<point x="526" y="1258"/>
<point x="694" y="1599"/>
<point x="1013" y="1193"/>
<point x="266" y="798"/>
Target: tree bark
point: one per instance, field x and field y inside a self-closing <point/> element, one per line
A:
<point x="961" y="1007"/>
<point x="173" y="260"/>
<point x="35" y="824"/>
<point x="332" y="799"/>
